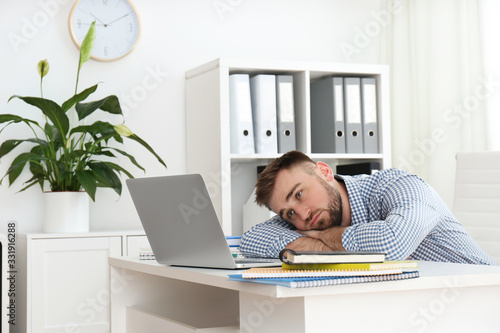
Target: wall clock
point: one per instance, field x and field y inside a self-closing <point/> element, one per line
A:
<point x="117" y="27"/>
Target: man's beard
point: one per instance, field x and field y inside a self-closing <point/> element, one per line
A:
<point x="334" y="207"/>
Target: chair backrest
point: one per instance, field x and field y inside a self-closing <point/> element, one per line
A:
<point x="477" y="198"/>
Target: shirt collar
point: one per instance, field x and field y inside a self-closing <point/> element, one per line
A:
<point x="359" y="210"/>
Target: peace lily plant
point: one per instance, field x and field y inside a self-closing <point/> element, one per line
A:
<point x="70" y="155"/>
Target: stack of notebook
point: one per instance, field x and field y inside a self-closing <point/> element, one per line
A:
<point x="347" y="268"/>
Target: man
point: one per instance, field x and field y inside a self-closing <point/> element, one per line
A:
<point x="390" y="211"/>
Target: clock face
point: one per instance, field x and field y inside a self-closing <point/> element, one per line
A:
<point x="117" y="26"/>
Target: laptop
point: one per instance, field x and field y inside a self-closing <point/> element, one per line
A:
<point x="181" y="224"/>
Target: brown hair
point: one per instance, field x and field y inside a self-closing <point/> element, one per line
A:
<point x="266" y="179"/>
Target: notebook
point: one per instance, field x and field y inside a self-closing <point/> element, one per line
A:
<point x="279" y="272"/>
<point x="307" y="282"/>
<point x="181" y="224"/>
<point x="290" y="256"/>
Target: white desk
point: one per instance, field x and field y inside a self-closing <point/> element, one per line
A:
<point x="147" y="297"/>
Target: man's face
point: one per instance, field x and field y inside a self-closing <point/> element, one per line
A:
<point x="306" y="200"/>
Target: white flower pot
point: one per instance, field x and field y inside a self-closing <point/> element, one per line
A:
<point x="66" y="212"/>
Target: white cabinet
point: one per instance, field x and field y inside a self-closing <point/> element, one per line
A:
<point x="63" y="280"/>
<point x="134" y="245"/>
<point x="230" y="177"/>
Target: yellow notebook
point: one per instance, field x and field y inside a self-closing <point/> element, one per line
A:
<point x="279" y="272"/>
<point x="408" y="264"/>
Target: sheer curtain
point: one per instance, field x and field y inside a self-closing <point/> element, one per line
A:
<point x="490" y="26"/>
<point x="438" y="86"/>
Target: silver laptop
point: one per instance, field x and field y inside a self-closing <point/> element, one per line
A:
<point x="181" y="223"/>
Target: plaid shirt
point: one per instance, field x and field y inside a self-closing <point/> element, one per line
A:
<point x="393" y="212"/>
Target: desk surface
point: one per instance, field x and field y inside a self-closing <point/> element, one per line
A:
<point x="432" y="275"/>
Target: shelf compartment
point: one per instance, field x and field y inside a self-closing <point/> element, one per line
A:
<point x="139" y="321"/>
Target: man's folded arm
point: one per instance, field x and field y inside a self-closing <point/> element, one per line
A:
<point x="267" y="239"/>
<point x="308" y="244"/>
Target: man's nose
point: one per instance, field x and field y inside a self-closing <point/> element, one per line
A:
<point x="303" y="212"/>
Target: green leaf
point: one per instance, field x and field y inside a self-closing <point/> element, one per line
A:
<point x="119" y="169"/>
<point x="109" y="104"/>
<point x="37" y="170"/>
<point x="54" y="136"/>
<point x="107" y="176"/>
<point x="30" y="183"/>
<point x="104" y="153"/>
<point x="49" y="108"/>
<point x="88" y="181"/>
<point x="87" y="45"/>
<point x="97" y="130"/>
<point x="146" y="145"/>
<point x="15" y="119"/>
<point x="78" y="98"/>
<point x="8" y="145"/>
<point x="78" y="153"/>
<point x="10" y="117"/>
<point x="18" y="164"/>
<point x="131" y="158"/>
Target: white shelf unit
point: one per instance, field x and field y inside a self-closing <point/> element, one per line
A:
<point x="230" y="178"/>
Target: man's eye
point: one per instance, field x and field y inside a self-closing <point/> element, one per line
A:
<point x="298" y="195"/>
<point x="290" y="213"/>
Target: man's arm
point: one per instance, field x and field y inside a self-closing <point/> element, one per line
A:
<point x="405" y="210"/>
<point x="267" y="239"/>
<point x="329" y="240"/>
<point x="308" y="244"/>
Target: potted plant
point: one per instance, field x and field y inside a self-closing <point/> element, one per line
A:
<point x="66" y="154"/>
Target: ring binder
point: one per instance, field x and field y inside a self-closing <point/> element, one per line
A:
<point x="241" y="120"/>
<point x="327" y="116"/>
<point x="285" y="113"/>
<point x="352" y="112"/>
<point x="263" y="92"/>
<point x="369" y="111"/>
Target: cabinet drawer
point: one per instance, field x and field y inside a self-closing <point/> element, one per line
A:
<point x="134" y="244"/>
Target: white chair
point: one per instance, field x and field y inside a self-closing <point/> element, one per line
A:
<point x="477" y="198"/>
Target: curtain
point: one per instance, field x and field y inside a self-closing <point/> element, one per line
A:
<point x="438" y="88"/>
<point x="490" y="27"/>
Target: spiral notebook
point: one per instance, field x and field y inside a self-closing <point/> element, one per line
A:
<point x="278" y="272"/>
<point x="308" y="282"/>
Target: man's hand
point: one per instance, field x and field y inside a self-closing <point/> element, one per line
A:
<point x="331" y="237"/>
<point x="308" y="244"/>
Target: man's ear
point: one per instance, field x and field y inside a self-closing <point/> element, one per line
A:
<point x="325" y="170"/>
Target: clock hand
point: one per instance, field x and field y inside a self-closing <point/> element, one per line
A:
<point x="117" y="19"/>
<point x="98" y="19"/>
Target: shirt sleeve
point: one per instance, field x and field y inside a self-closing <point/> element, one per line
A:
<point x="409" y="208"/>
<point x="267" y="239"/>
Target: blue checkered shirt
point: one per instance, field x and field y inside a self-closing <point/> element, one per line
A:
<point x="393" y="212"/>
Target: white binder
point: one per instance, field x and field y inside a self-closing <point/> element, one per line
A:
<point x="352" y="113"/>
<point x="327" y="116"/>
<point x="263" y="91"/>
<point x="242" y="137"/>
<point x="285" y="113"/>
<point x="369" y="112"/>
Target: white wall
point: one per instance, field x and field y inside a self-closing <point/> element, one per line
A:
<point x="176" y="36"/>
